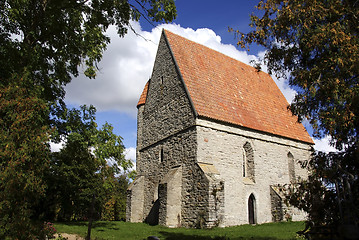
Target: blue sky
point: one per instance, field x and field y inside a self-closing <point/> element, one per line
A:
<point x="127" y="63"/>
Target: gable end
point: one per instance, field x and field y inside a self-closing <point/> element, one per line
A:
<point x="179" y="74"/>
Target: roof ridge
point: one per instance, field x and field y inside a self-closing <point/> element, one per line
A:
<point x="225" y="89"/>
<point x="217" y="51"/>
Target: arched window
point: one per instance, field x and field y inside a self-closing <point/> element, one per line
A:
<point x="248" y="161"/>
<point x="252" y="218"/>
<point x="291" y="167"/>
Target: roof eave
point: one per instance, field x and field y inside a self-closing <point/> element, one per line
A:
<point x="310" y="142"/>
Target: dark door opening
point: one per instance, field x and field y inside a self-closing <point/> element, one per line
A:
<point x="251" y="209"/>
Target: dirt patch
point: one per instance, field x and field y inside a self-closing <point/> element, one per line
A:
<point x="70" y="236"/>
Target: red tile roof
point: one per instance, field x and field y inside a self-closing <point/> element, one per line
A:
<point x="143" y="95"/>
<point x="225" y="89"/>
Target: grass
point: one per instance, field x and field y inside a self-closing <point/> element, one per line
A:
<point x="139" y="231"/>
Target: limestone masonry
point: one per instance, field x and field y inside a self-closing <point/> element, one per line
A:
<point x="214" y="140"/>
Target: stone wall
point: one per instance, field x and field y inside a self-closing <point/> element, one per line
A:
<point x="166" y="135"/>
<point x="195" y="196"/>
<point x="276" y="206"/>
<point x="178" y="150"/>
<point x="168" y="109"/>
<point x="135" y="199"/>
<point x="204" y="160"/>
<point x="128" y="205"/>
<point x="139" y="137"/>
<point x="216" y="202"/>
<point x="200" y="195"/>
<point x="162" y="190"/>
<point x="172" y="198"/>
<point x="223" y="146"/>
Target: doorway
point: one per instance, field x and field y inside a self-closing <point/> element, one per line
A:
<point x="252" y="209"/>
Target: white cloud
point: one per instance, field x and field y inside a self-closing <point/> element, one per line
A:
<point x="288" y="93"/>
<point x="323" y="145"/>
<point x="127" y="65"/>
<point x="210" y="39"/>
<point x="56" y="147"/>
<point x="125" y="68"/>
<point x="130" y="153"/>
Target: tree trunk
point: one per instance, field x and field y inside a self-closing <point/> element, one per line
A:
<point x="92" y="209"/>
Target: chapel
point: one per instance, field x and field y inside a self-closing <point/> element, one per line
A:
<point x="214" y="141"/>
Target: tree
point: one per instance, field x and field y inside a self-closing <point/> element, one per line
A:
<point x="50" y="39"/>
<point x="315" y="46"/>
<point x="43" y="44"/>
<point x="114" y="207"/>
<point x="24" y="158"/>
<point x="84" y="167"/>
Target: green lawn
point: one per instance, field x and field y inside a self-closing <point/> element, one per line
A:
<point x="139" y="231"/>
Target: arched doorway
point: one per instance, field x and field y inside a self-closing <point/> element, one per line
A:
<point x="252" y="209"/>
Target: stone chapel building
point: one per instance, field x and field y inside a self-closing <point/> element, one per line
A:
<point x="214" y="139"/>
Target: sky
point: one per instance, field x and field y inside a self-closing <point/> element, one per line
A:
<point x="127" y="63"/>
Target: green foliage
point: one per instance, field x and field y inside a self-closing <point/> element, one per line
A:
<point x="24" y="157"/>
<point x="330" y="194"/>
<point x="84" y="167"/>
<point x="43" y="45"/>
<point x="317" y="43"/>
<point x="135" y="231"/>
<point x="315" y="46"/>
<point x="53" y="38"/>
<point x="114" y="208"/>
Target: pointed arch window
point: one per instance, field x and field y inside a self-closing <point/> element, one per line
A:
<point x="248" y="162"/>
<point x="291" y="167"/>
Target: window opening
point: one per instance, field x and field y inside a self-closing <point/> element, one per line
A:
<point x="291" y="167"/>
<point x="248" y="161"/>
<point x="244" y="163"/>
<point x="161" y="155"/>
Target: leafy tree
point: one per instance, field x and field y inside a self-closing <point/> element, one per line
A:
<point x="24" y="157"/>
<point x="84" y="167"/>
<point x="114" y="208"/>
<point x="81" y="175"/>
<point x="43" y="44"/>
<point x="50" y="39"/>
<point x="315" y="46"/>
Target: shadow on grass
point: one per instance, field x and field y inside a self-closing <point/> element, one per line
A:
<point x="181" y="236"/>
